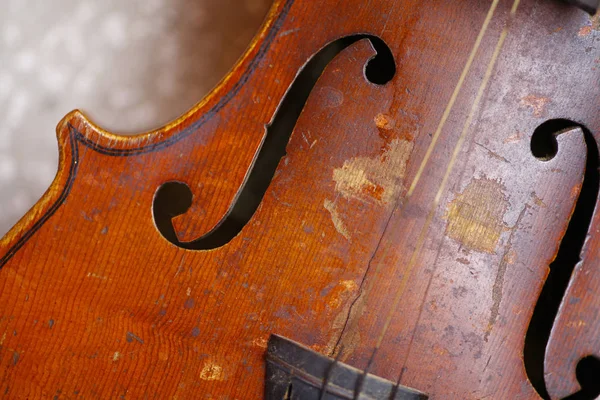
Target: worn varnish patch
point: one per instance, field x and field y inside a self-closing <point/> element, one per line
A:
<point x="337" y="298"/>
<point x="538" y="202"/>
<point x="379" y="179"/>
<point x="593" y="25"/>
<point x="351" y="334"/>
<point x="335" y="218"/>
<point x="330" y="97"/>
<point x="475" y="217"/>
<point x="211" y="372"/>
<point x="340" y="293"/>
<point x="537" y="104"/>
<point x="383" y="121"/>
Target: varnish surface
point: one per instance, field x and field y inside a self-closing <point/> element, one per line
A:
<point x="95" y="302"/>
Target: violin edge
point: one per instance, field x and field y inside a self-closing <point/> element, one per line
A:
<point x="53" y="197"/>
<point x="95" y="136"/>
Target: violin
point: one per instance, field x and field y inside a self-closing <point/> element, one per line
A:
<point x="381" y="200"/>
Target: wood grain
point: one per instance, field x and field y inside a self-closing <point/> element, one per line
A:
<point x="94" y="302"/>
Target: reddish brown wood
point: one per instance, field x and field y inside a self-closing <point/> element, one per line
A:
<point x="95" y="302"/>
<point x="576" y="328"/>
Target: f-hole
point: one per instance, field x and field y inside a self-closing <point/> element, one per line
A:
<point x="174" y="198"/>
<point x="544" y="146"/>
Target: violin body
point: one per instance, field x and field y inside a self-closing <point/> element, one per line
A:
<point x="99" y="300"/>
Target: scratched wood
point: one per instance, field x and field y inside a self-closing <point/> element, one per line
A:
<point x="94" y="302"/>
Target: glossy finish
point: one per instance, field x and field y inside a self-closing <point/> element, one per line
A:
<point x="95" y="302"/>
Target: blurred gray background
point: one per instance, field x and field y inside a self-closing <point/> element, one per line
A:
<point x="131" y="65"/>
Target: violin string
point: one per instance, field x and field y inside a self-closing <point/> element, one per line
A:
<point x="399" y="205"/>
<point x="329" y="374"/>
<point x="361" y="380"/>
<point x="424" y="230"/>
<point x="453" y="98"/>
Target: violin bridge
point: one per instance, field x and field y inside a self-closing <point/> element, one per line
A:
<point x="295" y="372"/>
